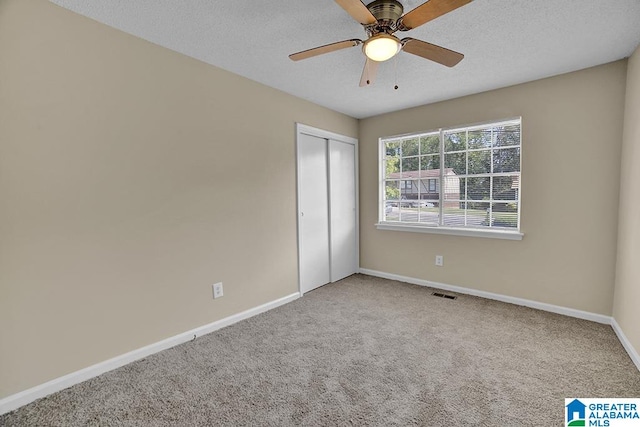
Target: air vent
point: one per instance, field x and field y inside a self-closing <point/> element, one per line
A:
<point x="441" y="295"/>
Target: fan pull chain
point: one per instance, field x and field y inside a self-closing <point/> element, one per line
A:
<point x="395" y="71"/>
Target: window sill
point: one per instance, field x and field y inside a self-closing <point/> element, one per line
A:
<point x="468" y="232"/>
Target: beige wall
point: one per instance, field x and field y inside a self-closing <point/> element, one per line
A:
<point x="627" y="291"/>
<point x="572" y="133"/>
<point x="127" y="187"/>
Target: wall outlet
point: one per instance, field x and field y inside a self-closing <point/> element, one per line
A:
<point x="217" y="290"/>
<point x="439" y="260"/>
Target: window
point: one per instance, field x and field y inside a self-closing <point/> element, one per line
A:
<point x="466" y="178"/>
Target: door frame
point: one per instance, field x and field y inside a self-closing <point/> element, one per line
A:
<point x="321" y="133"/>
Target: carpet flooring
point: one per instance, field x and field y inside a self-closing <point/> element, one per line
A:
<point x="362" y="351"/>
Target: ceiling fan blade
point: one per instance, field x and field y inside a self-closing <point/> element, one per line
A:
<point x="358" y="11"/>
<point x="324" y="49"/>
<point x="432" y="52"/>
<point x="428" y="11"/>
<point x="369" y="73"/>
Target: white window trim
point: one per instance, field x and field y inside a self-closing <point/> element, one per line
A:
<point x="492" y="233"/>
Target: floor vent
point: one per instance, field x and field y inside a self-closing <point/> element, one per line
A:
<point x="441" y="295"/>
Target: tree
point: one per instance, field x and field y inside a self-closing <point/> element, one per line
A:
<point x="472" y="154"/>
<point x="392" y="165"/>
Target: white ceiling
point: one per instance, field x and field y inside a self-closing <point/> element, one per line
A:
<point x="505" y="42"/>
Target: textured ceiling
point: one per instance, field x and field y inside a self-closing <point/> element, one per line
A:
<point x="505" y="42"/>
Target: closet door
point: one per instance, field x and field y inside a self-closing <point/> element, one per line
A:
<point x="342" y="207"/>
<point x="313" y="212"/>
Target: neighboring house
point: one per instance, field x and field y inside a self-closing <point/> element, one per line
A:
<point x="515" y="186"/>
<point x="425" y="185"/>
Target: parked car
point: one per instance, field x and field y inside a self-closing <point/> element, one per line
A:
<point x="416" y="204"/>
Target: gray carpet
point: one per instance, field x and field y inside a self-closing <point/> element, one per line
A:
<point x="362" y="351"/>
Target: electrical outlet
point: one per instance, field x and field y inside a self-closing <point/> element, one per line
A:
<point x="217" y="290"/>
<point x="439" y="260"/>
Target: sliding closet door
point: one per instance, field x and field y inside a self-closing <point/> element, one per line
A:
<point x="313" y="215"/>
<point x="342" y="206"/>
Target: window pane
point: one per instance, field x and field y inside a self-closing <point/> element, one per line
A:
<point x="430" y="144"/>
<point x="477" y="213"/>
<point x="392" y="190"/>
<point x="479" y="162"/>
<point x="480" y="139"/>
<point x="430" y="213"/>
<point x="392" y="167"/>
<point x="452" y="188"/>
<point x="507" y="135"/>
<point x="457" y="162"/>
<point x="391" y="211"/>
<point x="456" y="141"/>
<point x="429" y="190"/>
<point x="430" y="163"/>
<point x="408" y="213"/>
<point x="423" y="187"/>
<point x="504" y="215"/>
<point x="506" y="160"/>
<point x="392" y="148"/>
<point x="515" y="185"/>
<point x="454" y="214"/>
<point x="463" y="188"/>
<point x="410" y="147"/>
<point x="408" y="189"/>
<point x="478" y="188"/>
<point x="411" y="164"/>
<point x="478" y="210"/>
<point x="505" y="187"/>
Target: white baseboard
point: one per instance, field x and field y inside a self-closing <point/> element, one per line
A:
<point x="599" y="318"/>
<point x="27" y="396"/>
<point x="571" y="312"/>
<point x="633" y="354"/>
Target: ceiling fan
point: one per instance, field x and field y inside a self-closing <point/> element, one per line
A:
<point x="381" y="19"/>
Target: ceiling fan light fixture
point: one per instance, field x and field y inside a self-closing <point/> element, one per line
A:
<point x="381" y="47"/>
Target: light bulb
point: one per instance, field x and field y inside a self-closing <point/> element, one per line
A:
<point x="381" y="47"/>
